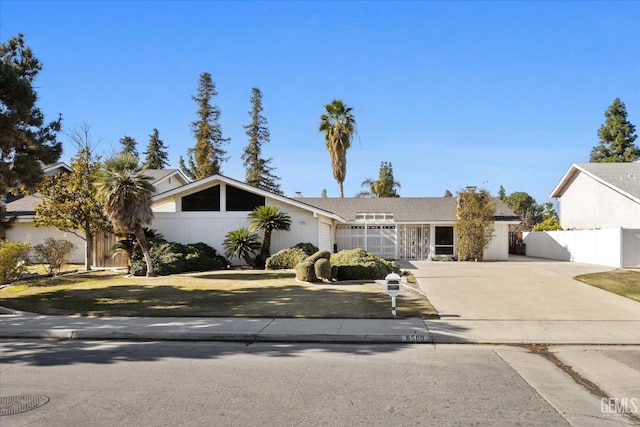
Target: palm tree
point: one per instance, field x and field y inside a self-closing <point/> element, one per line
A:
<point x="242" y="244"/>
<point x="268" y="219"/>
<point x="126" y="193"/>
<point x="339" y="127"/>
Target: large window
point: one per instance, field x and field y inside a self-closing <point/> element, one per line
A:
<point x="444" y="241"/>
<point x="242" y="201"/>
<point x="205" y="200"/>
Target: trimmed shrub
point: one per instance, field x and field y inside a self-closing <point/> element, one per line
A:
<point x="318" y="255"/>
<point x="308" y="248"/>
<point x="358" y="264"/>
<point x="305" y="272"/>
<point x="202" y="257"/>
<point x="54" y="252"/>
<point x="322" y="269"/>
<point x="13" y="260"/>
<point x="285" y="259"/>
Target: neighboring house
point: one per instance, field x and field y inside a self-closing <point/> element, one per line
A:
<point x="394" y="228"/>
<point x="24" y="208"/>
<point x="599" y="206"/>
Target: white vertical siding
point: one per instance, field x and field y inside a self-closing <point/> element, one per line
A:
<point x="631" y="248"/>
<point x="498" y="249"/>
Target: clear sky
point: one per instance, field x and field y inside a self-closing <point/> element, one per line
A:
<point x="452" y="93"/>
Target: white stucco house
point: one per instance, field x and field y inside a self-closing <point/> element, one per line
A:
<point x="24" y="207"/>
<point x="599" y="207"/>
<point x="393" y="228"/>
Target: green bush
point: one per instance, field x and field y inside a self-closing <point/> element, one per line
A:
<point x="308" y="248"/>
<point x="53" y="252"/>
<point x="358" y="264"/>
<point x="305" y="272"/>
<point x="166" y="258"/>
<point x="202" y="257"/>
<point x="285" y="259"/>
<point x="13" y="260"/>
<point x="322" y="269"/>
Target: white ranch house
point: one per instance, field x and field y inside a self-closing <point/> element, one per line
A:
<point x="599" y="209"/>
<point x="393" y="228"/>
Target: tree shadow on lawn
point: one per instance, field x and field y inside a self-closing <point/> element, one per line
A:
<point x="281" y="301"/>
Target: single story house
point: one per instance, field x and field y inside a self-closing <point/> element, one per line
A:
<point x="599" y="207"/>
<point x="24" y="208"/>
<point x="393" y="228"/>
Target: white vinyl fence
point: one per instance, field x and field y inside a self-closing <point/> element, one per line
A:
<point x="614" y="247"/>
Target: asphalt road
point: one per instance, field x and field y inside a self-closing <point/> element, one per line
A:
<point x="110" y="383"/>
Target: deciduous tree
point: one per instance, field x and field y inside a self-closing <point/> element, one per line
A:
<point x="617" y="136"/>
<point x="70" y="201"/>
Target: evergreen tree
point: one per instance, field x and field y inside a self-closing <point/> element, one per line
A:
<point x="259" y="173"/>
<point x="69" y="200"/>
<point x="129" y="146"/>
<point x="26" y="141"/>
<point x="208" y="155"/>
<point x="384" y="186"/>
<point x="447" y="193"/>
<point x="474" y="226"/>
<point x="526" y="207"/>
<point x="156" y="154"/>
<point x="616" y="137"/>
<point x="502" y="193"/>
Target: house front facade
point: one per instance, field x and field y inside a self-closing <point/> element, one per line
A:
<point x="392" y="228"/>
<point x="599" y="210"/>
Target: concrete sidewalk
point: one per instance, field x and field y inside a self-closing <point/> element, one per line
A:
<point x="322" y="330"/>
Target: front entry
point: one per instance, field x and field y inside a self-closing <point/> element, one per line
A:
<point x="414" y="241"/>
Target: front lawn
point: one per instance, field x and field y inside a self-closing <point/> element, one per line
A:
<point x="227" y="293"/>
<point x="621" y="282"/>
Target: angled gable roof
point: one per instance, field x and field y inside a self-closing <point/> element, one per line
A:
<point x="213" y="180"/>
<point x="158" y="175"/>
<point x="623" y="178"/>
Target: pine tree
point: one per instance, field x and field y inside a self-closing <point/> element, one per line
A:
<point x="616" y="137"/>
<point x="502" y="193"/>
<point x="25" y="140"/>
<point x="259" y="173"/>
<point x="208" y="155"/>
<point x="129" y="146"/>
<point x="384" y="186"/>
<point x="156" y="154"/>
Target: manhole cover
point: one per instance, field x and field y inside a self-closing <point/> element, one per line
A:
<point x="11" y="405"/>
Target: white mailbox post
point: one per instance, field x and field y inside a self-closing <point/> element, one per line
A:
<point x="392" y="286"/>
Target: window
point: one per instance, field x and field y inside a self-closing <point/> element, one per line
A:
<point x="205" y="200"/>
<point x="444" y="241"/>
<point x="242" y="201"/>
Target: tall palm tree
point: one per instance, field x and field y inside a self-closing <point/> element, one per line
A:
<point x="126" y="193"/>
<point x="339" y="127"/>
<point x="268" y="219"/>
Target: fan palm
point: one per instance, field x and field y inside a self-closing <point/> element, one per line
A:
<point x="268" y="219"/>
<point x="126" y="193"/>
<point x="241" y="243"/>
<point x="339" y="127"/>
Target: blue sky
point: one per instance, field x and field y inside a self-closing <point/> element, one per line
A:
<point x="452" y="93"/>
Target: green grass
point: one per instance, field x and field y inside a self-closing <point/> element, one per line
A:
<point x="621" y="282"/>
<point x="230" y="293"/>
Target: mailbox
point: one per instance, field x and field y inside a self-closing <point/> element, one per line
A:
<point x="393" y="284"/>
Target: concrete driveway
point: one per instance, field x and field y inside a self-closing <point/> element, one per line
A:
<point x="520" y="289"/>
